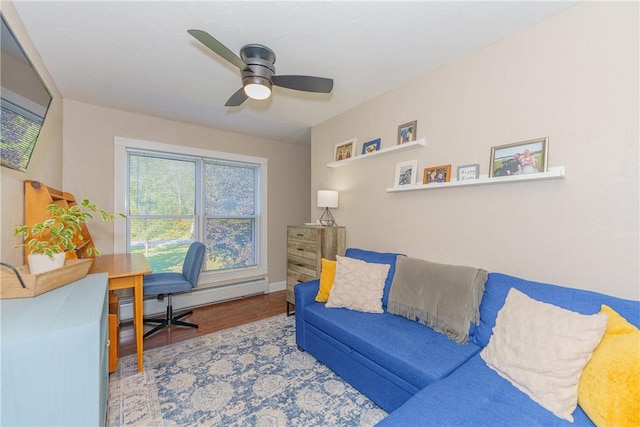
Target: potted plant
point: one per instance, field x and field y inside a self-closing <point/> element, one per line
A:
<point x="49" y="241"/>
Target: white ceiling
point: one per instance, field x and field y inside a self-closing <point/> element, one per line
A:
<point x="137" y="56"/>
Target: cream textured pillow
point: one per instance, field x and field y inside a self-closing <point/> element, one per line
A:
<point x="358" y="285"/>
<point x="542" y="349"/>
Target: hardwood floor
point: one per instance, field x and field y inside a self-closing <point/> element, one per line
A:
<point x="209" y="319"/>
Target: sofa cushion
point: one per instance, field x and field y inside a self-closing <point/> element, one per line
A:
<point x="412" y="351"/>
<point x="378" y="258"/>
<point x="542" y="349"/>
<point x="475" y="395"/>
<point x="609" y="390"/>
<point x="580" y="301"/>
<point x="358" y="285"/>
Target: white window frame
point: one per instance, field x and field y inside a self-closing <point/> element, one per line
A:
<point x="209" y="278"/>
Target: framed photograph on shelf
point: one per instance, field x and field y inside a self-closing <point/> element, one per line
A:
<point x="519" y="158"/>
<point x="345" y="150"/>
<point x="406" y="173"/>
<point x="371" y="146"/>
<point x="407" y="132"/>
<point x="468" y="172"/>
<point x="436" y="174"/>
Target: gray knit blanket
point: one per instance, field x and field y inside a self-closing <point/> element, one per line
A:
<point x="443" y="297"/>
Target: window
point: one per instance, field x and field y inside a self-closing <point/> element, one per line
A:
<point x="172" y="198"/>
<point x="161" y="214"/>
<point x="229" y="211"/>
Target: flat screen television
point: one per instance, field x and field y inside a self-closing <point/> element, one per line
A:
<point x="24" y="102"/>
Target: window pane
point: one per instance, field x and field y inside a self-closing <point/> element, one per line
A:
<point x="230" y="242"/>
<point x="159" y="186"/>
<point x="229" y="190"/>
<point x="163" y="241"/>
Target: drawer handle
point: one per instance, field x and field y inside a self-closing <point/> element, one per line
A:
<point x="300" y="265"/>
<point x="299" y="281"/>
<point x="301" y="249"/>
<point x="300" y="234"/>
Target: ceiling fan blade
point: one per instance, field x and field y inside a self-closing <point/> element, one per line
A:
<point x="237" y="98"/>
<point x="304" y="83"/>
<point x="217" y="47"/>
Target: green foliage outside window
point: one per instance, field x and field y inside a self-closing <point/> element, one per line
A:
<point x="164" y="195"/>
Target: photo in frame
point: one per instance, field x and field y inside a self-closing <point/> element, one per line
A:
<point x="519" y="158"/>
<point x="407" y="132"/>
<point x="436" y="174"/>
<point x="344" y="150"/>
<point x="468" y="172"/>
<point x="406" y="173"/>
<point x="371" y="146"/>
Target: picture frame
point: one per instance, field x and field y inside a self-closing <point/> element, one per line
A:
<point x="344" y="150"/>
<point x="519" y="158"/>
<point x="371" y="146"/>
<point x="407" y="132"/>
<point x="406" y="173"/>
<point x="436" y="174"/>
<point x="468" y="172"/>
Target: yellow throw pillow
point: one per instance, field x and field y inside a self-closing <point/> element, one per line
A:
<point x="609" y="389"/>
<point x="327" y="274"/>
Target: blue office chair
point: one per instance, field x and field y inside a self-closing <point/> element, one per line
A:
<point x="162" y="284"/>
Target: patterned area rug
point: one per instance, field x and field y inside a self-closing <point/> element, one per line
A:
<point x="251" y="375"/>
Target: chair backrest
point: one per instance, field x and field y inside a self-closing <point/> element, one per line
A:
<point x="193" y="263"/>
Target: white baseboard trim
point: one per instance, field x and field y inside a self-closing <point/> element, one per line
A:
<point x="202" y="297"/>
<point x="277" y="286"/>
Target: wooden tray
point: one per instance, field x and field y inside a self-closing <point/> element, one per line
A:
<point x="37" y="284"/>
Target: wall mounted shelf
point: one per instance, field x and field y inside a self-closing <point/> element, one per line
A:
<point x="418" y="143"/>
<point x="552" y="173"/>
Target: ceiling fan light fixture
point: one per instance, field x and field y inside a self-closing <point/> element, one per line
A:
<point x="257" y="91"/>
<point x="257" y="88"/>
<point x="256" y="65"/>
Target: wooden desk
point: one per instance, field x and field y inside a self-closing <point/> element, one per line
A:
<point x="126" y="271"/>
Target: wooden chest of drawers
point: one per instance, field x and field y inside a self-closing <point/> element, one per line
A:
<point x="306" y="246"/>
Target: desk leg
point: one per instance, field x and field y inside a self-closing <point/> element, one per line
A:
<point x="137" y="318"/>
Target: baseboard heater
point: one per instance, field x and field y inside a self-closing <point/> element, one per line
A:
<point x="198" y="297"/>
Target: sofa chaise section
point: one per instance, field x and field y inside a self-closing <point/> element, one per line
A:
<point x="474" y="395"/>
<point x="488" y="399"/>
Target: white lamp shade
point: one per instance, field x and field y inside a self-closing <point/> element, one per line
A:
<point x="327" y="199"/>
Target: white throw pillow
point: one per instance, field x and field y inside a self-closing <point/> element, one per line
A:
<point x="542" y="349"/>
<point x="358" y="285"/>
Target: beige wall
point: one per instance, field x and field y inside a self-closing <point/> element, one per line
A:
<point x="46" y="162"/>
<point x="573" y="78"/>
<point x="88" y="155"/>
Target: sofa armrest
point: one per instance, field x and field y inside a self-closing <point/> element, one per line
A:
<point x="305" y="294"/>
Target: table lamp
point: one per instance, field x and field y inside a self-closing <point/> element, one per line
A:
<point x="327" y="199"/>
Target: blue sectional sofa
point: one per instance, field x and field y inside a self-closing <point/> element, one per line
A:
<point x="420" y="376"/>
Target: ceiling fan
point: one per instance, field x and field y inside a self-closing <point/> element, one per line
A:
<point x="258" y="72"/>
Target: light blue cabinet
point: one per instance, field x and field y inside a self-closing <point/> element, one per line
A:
<point x="55" y="356"/>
